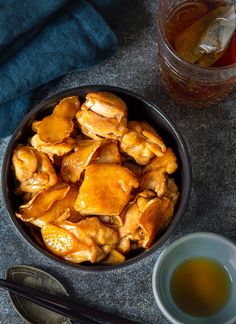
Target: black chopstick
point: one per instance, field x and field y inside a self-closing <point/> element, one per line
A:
<point x="65" y="307"/>
<point x="23" y="291"/>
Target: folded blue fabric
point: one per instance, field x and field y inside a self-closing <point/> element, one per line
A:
<point x="73" y="37"/>
<point x="20" y="21"/>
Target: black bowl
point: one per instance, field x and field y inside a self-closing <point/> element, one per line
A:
<point x="138" y="109"/>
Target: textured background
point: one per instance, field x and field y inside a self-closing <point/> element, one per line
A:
<point x="210" y="135"/>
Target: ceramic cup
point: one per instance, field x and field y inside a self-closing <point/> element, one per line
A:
<point x="204" y="244"/>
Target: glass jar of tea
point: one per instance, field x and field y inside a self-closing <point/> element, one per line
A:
<point x="197" y="50"/>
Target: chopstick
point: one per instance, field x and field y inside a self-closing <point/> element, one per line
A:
<point x="36" y="297"/>
<point x="60" y="305"/>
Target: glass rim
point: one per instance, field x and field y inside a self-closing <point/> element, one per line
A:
<point x="177" y="57"/>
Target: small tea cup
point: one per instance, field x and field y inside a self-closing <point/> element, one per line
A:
<point x="202" y="244"/>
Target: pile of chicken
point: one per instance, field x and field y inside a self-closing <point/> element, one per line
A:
<point x="95" y="185"/>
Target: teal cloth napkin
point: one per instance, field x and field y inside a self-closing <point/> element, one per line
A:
<point x="43" y="40"/>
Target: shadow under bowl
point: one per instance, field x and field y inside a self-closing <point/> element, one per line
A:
<point x="139" y="108"/>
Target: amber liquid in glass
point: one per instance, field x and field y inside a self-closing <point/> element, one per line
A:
<point x="200" y="286"/>
<point x="188" y="13"/>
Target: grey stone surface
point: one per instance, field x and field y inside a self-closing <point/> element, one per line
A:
<point x="210" y="135"/>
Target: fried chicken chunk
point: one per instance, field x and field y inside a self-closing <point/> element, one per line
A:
<point x="103" y="115"/>
<point x="65" y="245"/>
<point x="74" y="164"/>
<point x="168" y="161"/>
<point x="42" y="202"/>
<point x="59" y="125"/>
<point x="106" y="189"/>
<point x="146" y="217"/>
<point x="142" y="142"/>
<point x="131" y="215"/>
<point x="155" y="173"/>
<point x="106" y="104"/>
<point x="33" y="169"/>
<point x="92" y="228"/>
<point x="79" y="242"/>
<point x="50" y="149"/>
<point x="154" y="219"/>
<point x="60" y="210"/>
<point x="123" y="245"/>
<point x="108" y="153"/>
<point x="114" y="257"/>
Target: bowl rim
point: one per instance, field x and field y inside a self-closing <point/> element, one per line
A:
<point x="185" y="196"/>
<point x="179" y="241"/>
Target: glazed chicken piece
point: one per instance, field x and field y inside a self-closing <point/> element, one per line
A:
<point x="74" y="164"/>
<point x="61" y="129"/>
<point x="155" y="173"/>
<point x="114" y="257"/>
<point x="154" y="219"/>
<point x="25" y="162"/>
<point x="106" y="104"/>
<point x="168" y="161"/>
<point x="146" y="217"/>
<point x="106" y="190"/>
<point x="131" y="214"/>
<point x="123" y="245"/>
<point x="61" y="209"/>
<point x="98" y="127"/>
<point x="50" y="149"/>
<point x="92" y="228"/>
<point x="42" y="202"/>
<point x="103" y="115"/>
<point x="33" y="169"/>
<point x="155" y="180"/>
<point x="67" y="107"/>
<point x="79" y="242"/>
<point x="65" y="245"/>
<point x="108" y="153"/>
<point x="142" y="142"/>
<point x="58" y="126"/>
